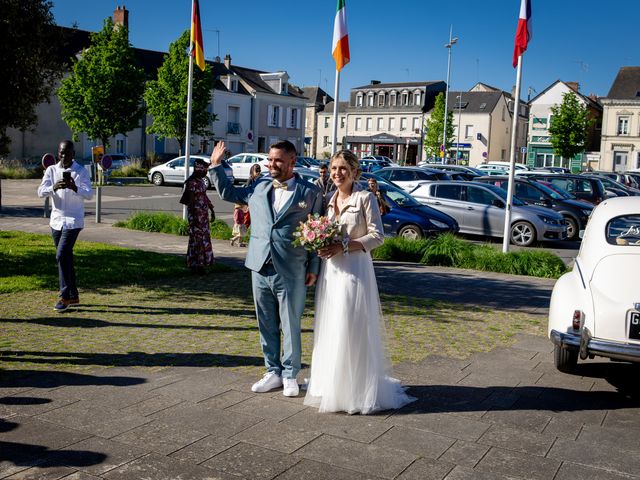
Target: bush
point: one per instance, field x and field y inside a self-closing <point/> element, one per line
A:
<point x="401" y="249"/>
<point x="15" y="169"/>
<point x="447" y="250"/>
<point x="134" y="170"/>
<point x="166" y="223"/>
<point x="220" y="230"/>
<point x="156" y="222"/>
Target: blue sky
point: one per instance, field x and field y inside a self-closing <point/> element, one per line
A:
<point x="573" y="40"/>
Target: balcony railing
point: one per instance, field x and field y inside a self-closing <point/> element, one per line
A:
<point x="233" y="128"/>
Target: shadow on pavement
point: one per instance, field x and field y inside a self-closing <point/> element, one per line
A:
<point x="54" y="379"/>
<point x="131" y="359"/>
<point x="464" y="287"/>
<point x="26" y="455"/>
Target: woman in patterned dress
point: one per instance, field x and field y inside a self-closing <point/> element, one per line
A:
<point x="200" y="251"/>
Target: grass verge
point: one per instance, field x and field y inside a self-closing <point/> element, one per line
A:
<point x="447" y="250"/>
<point x="29" y="263"/>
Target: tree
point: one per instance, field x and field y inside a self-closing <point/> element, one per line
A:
<point x="103" y="95"/>
<point x="30" y="67"/>
<point x="570" y="124"/>
<point x="166" y="97"/>
<point x="434" y="127"/>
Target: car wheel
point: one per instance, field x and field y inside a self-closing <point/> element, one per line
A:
<point x="573" y="231"/>
<point x="565" y="359"/>
<point x="410" y="232"/>
<point x="523" y="234"/>
<point x="207" y="182"/>
<point x="157" y="179"/>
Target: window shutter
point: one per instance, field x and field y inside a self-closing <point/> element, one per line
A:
<point x="269" y="114"/>
<point x="288" y="121"/>
<point x="298" y="118"/>
<point x="280" y="111"/>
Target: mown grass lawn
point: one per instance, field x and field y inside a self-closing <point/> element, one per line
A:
<point x="145" y="310"/>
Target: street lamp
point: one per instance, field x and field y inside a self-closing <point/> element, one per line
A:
<point x="452" y="42"/>
<point x="459" y="98"/>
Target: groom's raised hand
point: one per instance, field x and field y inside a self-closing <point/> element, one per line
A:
<point x="310" y="279"/>
<point x="217" y="154"/>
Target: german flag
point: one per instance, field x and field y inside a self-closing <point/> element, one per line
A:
<point x="197" y="47"/>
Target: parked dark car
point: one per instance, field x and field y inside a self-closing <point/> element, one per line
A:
<point x="585" y="188"/>
<point x="575" y="212"/>
<point x="407" y="217"/>
<point x="615" y="187"/>
<point x="372" y="165"/>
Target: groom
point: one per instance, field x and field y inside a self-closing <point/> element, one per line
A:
<point x="280" y="272"/>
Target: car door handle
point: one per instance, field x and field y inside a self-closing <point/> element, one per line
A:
<point x="437" y="203"/>
<point x="470" y="208"/>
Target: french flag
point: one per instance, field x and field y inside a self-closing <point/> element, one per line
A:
<point x="523" y="34"/>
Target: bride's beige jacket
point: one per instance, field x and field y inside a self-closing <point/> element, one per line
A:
<point x="360" y="217"/>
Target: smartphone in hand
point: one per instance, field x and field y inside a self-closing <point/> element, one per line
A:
<point x="66" y="176"/>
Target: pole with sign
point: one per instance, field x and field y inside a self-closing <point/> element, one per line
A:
<point x="47" y="160"/>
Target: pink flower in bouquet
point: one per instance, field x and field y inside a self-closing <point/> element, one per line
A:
<point x="310" y="236"/>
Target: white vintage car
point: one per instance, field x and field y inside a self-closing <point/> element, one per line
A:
<point x="595" y="308"/>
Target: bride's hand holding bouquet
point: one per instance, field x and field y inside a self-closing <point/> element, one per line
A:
<point x="318" y="234"/>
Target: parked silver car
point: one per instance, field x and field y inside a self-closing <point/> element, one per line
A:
<point x="479" y="209"/>
<point x="172" y="172"/>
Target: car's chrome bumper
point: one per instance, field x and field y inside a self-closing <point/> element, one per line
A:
<point x="592" y="346"/>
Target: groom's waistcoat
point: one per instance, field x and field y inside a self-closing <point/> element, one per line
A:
<point x="272" y="233"/>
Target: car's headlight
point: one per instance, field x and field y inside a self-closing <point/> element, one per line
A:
<point x="548" y="220"/>
<point x="439" y="224"/>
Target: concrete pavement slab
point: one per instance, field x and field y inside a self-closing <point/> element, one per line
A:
<point x="277" y="436"/>
<point x="426" y="469"/>
<point x="307" y="469"/>
<point x="250" y="461"/>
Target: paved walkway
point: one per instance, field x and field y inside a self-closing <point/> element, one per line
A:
<point x="503" y="414"/>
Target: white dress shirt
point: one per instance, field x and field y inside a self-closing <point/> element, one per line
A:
<point x="282" y="196"/>
<point x="68" y="206"/>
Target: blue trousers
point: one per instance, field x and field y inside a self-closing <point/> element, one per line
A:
<point x="279" y="305"/>
<point x="64" y="240"/>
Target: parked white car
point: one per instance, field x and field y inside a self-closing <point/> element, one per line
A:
<point x="172" y="172"/>
<point x="242" y="163"/>
<point x="595" y="308"/>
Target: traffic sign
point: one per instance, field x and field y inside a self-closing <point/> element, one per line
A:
<point x="47" y="160"/>
<point x="523" y="149"/>
<point x="105" y="162"/>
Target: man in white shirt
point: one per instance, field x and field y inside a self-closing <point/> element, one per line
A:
<point x="68" y="184"/>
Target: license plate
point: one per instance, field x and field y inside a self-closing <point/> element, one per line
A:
<point x="634" y="325"/>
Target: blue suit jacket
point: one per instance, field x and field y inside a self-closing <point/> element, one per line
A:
<point x="273" y="234"/>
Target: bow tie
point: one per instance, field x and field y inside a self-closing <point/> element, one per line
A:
<point x="277" y="184"/>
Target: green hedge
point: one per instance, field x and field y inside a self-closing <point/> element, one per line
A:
<point x="447" y="250"/>
<point x="168" y="223"/>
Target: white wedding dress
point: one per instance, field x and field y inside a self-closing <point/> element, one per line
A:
<point x="349" y="368"/>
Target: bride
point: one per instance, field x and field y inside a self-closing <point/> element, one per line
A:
<point x="349" y="369"/>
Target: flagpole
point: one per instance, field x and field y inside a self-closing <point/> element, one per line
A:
<point x="512" y="159"/>
<point x="334" y="141"/>
<point x="187" y="142"/>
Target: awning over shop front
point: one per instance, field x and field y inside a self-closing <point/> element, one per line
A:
<point x="384" y="139"/>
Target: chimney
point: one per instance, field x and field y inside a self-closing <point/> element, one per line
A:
<point x="375" y="82"/>
<point x="121" y="17"/>
<point x="227" y="61"/>
<point x="575" y="86"/>
<point x="325" y="99"/>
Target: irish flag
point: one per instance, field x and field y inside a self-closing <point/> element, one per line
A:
<point x="197" y="47"/>
<point x="523" y="33"/>
<point x="340" y="37"/>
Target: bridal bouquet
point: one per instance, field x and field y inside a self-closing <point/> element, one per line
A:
<point x="317" y="232"/>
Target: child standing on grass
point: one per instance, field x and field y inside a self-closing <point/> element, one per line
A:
<point x="239" y="228"/>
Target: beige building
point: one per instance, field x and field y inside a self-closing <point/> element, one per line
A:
<point x="381" y="119"/>
<point x="620" y="145"/>
<point x="540" y="153"/>
<point x="482" y="119"/>
<point x="317" y="100"/>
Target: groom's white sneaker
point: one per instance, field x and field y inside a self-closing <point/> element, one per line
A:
<point x="270" y="381"/>
<point x="290" y="387"/>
